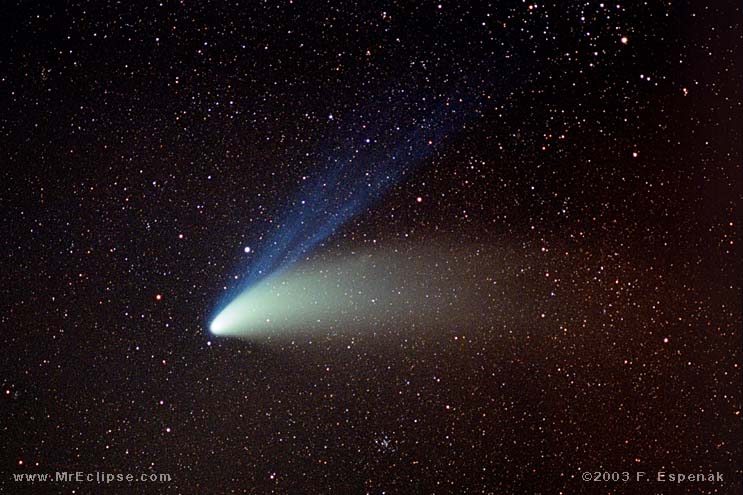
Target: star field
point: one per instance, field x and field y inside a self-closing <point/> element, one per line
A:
<point x="557" y="186"/>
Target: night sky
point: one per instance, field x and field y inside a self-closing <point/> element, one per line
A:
<point x="554" y="190"/>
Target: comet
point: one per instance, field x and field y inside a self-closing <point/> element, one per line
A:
<point x="376" y="149"/>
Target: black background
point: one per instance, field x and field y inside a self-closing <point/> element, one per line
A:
<point x="144" y="144"/>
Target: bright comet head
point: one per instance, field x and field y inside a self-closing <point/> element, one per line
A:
<point x="230" y="319"/>
<point x="216" y="325"/>
<point x="241" y="315"/>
